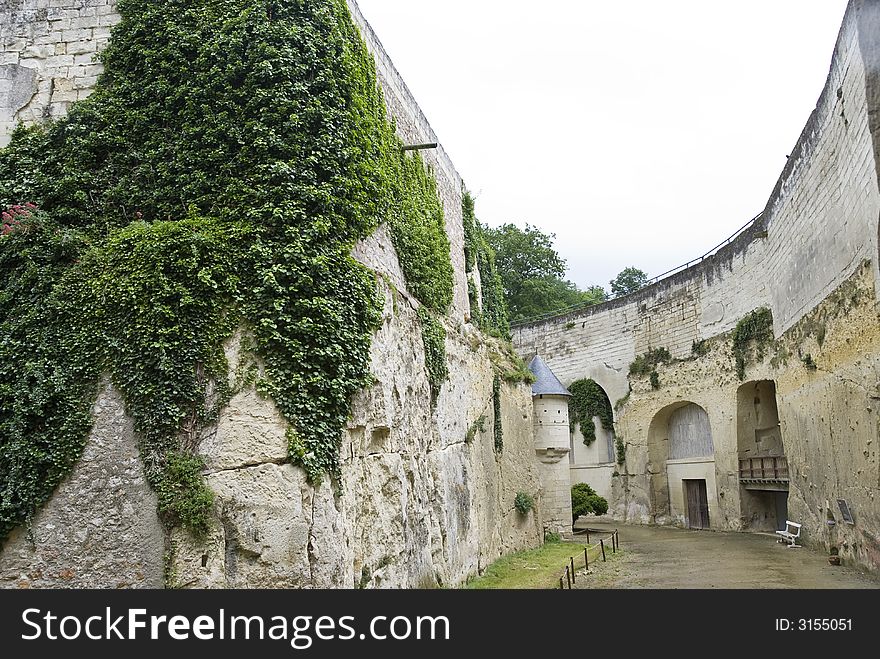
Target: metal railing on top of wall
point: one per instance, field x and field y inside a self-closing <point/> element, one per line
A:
<point x="651" y="282"/>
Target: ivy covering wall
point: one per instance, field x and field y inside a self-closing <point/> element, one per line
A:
<point x="489" y="310"/>
<point x="229" y="158"/>
<point x="589" y="400"/>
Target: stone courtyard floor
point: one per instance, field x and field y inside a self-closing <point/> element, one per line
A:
<point x="663" y="557"/>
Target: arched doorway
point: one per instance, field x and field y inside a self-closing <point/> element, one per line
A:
<point x="593" y="453"/>
<point x="763" y="467"/>
<point x="682" y="466"/>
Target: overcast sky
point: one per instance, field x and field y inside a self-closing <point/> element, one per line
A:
<point x="640" y="132"/>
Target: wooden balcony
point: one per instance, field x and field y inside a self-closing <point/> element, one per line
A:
<point x="766" y="473"/>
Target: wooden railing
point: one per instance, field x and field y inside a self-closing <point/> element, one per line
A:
<point x="773" y="468"/>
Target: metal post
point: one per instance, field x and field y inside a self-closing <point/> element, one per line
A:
<point x="568" y="575"/>
<point x="419" y="147"/>
<point x="614" y="542"/>
<point x="561" y="585"/>
<point x="588" y="536"/>
<point x="602" y="544"/>
<point x="586" y="558"/>
<point x="573" y="573"/>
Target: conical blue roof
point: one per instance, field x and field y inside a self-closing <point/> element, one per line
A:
<point x="545" y="382"/>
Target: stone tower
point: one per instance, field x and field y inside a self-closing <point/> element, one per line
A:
<point x="552" y="446"/>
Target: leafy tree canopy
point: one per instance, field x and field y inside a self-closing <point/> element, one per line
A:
<point x="628" y="281"/>
<point x="532" y="273"/>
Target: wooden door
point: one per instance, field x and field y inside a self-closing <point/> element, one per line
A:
<point x="697" y="504"/>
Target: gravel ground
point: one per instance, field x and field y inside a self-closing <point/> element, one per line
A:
<point x="663" y="557"/>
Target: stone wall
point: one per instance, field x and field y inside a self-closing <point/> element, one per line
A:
<point x="101" y="529"/>
<point x="420" y="505"/>
<point x="812" y="254"/>
<point x="47" y="56"/>
<point x="413" y="128"/>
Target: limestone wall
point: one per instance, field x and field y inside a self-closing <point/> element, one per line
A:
<point x="101" y="529"/>
<point x="812" y="259"/>
<point x="47" y="56"/>
<point x="419" y="505"/>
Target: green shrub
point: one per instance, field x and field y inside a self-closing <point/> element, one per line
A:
<point x="644" y="364"/>
<point x="700" y="348"/>
<point x="523" y="503"/>
<point x="585" y="501"/>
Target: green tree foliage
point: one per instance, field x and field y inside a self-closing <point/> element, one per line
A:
<point x="628" y="281"/>
<point x="585" y="501"/>
<point x="532" y="272"/>
<point x="218" y="177"/>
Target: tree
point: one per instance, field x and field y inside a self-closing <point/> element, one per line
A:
<point x="532" y="273"/>
<point x="628" y="281"/>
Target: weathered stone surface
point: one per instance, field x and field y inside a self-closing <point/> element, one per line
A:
<point x="250" y="432"/>
<point x="54" y="42"/>
<point x="101" y="528"/>
<point x="419" y="506"/>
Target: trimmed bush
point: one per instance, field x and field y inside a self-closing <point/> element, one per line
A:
<point x="585" y="501"/>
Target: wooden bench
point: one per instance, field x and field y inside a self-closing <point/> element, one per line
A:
<point x="790" y="535"/>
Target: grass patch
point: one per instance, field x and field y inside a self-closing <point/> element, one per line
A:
<point x="534" y="569"/>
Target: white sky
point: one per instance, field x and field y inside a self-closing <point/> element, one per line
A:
<point x="640" y="132"/>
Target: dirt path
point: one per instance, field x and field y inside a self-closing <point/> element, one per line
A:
<point x="662" y="557"/>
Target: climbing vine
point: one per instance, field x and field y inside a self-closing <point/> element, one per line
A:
<point x="490" y="311"/>
<point x="418" y="230"/>
<point x="434" y="339"/>
<point x="231" y="155"/>
<point x="589" y="400"/>
<point x="751" y="337"/>
<point x="471" y="231"/>
<point x="496" y="408"/>
<point x="474" y="301"/>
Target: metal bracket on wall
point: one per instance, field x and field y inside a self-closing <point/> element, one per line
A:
<point x="419" y="147"/>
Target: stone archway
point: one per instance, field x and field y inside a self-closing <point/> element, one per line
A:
<point x="594" y="463"/>
<point x="763" y="467"/>
<point x="681" y="466"/>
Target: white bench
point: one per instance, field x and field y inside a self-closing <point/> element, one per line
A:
<point x="790" y="535"/>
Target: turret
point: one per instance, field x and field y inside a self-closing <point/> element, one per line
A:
<point x="552" y="445"/>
